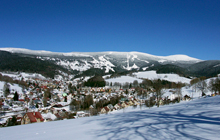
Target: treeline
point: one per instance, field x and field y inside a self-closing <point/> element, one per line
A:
<point x="16" y="63"/>
<point x="203" y="86"/>
<point x="96" y="81"/>
<point x="146" y="83"/>
<point x="172" y="69"/>
<point x="164" y="83"/>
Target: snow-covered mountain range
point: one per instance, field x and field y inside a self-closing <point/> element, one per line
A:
<point x="91" y="63"/>
<point x="108" y="61"/>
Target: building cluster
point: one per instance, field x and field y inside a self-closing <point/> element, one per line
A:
<point x="49" y="100"/>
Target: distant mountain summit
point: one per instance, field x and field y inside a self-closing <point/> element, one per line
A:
<point x="90" y="63"/>
<point x="131" y="55"/>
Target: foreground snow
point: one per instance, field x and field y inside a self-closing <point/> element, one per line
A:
<point x="197" y="119"/>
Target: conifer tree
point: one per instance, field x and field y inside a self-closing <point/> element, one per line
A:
<point x="16" y="96"/>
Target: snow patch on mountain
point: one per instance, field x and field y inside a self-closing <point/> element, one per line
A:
<point x="162" y="61"/>
<point x="130" y="68"/>
<point x="75" y="65"/>
<point x="216" y="65"/>
<point x="180" y="58"/>
<point x="103" y="63"/>
<point x="145" y="68"/>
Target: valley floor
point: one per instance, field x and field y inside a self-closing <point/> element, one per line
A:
<point x="197" y="119"/>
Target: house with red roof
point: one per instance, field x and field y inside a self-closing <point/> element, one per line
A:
<point x="32" y="117"/>
<point x="117" y="106"/>
<point x="105" y="110"/>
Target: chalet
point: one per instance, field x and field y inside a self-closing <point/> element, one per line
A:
<point x="131" y="103"/>
<point x="32" y="117"/>
<point x="19" y="118"/>
<point x="104" y="110"/>
<point x="117" y="106"/>
<point x="124" y="104"/>
<point x="186" y="97"/>
<point x="80" y="114"/>
<point x="111" y="107"/>
<point x="91" y="107"/>
<point x="136" y="102"/>
<point x="10" y="96"/>
<point x="161" y="102"/>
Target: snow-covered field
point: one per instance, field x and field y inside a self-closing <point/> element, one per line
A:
<point x="123" y="79"/>
<point x="169" y="77"/>
<point x="197" y="119"/>
<point x="19" y="76"/>
<point x="13" y="87"/>
<point x="152" y="75"/>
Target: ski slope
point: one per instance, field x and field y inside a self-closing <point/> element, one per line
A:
<point x="197" y="119"/>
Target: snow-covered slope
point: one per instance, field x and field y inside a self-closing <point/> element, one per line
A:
<point x="169" y="77"/>
<point x="13" y="87"/>
<point x="152" y="75"/>
<point x="197" y="119"/>
<point x="123" y="80"/>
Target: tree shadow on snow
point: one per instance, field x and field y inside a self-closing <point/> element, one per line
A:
<point x="157" y="124"/>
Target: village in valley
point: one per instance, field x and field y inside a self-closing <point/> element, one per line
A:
<point x="33" y="98"/>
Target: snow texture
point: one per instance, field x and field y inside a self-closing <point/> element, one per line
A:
<point x="123" y="79"/>
<point x="149" y="75"/>
<point x="169" y="77"/>
<point x="13" y="87"/>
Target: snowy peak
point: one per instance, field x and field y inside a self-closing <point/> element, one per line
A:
<point x="26" y="51"/>
<point x="132" y="55"/>
<point x="181" y="58"/>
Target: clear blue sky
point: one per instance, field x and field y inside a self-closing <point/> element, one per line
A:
<point x="158" y="27"/>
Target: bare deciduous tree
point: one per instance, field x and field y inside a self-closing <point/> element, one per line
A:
<point x="158" y="87"/>
<point x="202" y="85"/>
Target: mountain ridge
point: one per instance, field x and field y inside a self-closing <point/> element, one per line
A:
<point x="40" y="52"/>
<point x="102" y="63"/>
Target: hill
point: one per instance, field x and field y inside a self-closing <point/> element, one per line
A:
<point x="21" y="63"/>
